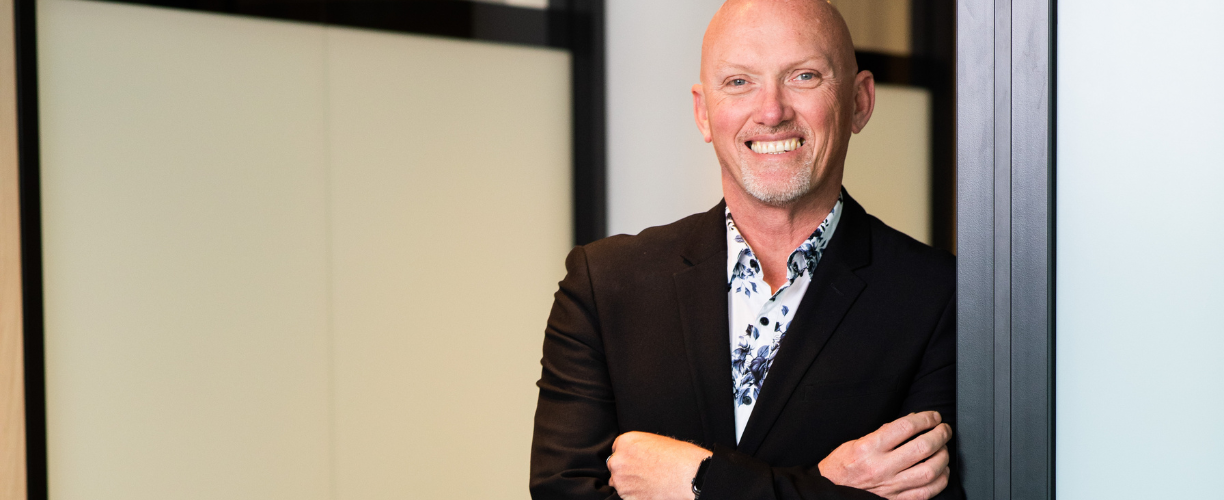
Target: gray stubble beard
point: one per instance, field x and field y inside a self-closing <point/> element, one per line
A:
<point x="795" y="187"/>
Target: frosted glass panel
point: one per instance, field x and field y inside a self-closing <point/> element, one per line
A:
<point x="184" y="235"/>
<point x="289" y="261"/>
<point x="1140" y="279"/>
<point x="451" y="217"/>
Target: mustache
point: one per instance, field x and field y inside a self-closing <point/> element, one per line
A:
<point x="780" y="129"/>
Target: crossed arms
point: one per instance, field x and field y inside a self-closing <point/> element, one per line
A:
<point x="579" y="424"/>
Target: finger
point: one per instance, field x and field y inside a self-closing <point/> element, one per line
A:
<point x="927" y="491"/>
<point x="892" y="434"/>
<point x="921" y="447"/>
<point x="925" y="472"/>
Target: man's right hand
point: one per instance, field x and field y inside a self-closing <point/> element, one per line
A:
<point x="881" y="464"/>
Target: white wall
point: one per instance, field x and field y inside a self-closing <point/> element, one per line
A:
<point x="1140" y="278"/>
<point x="659" y="168"/>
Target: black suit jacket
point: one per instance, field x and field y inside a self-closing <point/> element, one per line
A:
<point x="638" y="340"/>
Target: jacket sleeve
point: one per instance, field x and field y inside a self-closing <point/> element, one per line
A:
<point x="934" y="388"/>
<point x="734" y="475"/>
<point x="575" y="420"/>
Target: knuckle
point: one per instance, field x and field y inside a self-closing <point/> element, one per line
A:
<point x="863" y="447"/>
<point x="906" y="426"/>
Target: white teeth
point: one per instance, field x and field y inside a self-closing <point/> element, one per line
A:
<point x="775" y="147"/>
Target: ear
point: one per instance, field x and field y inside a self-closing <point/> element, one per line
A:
<point x="864" y="100"/>
<point x="700" y="114"/>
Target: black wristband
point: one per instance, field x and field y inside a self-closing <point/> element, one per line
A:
<point x="700" y="477"/>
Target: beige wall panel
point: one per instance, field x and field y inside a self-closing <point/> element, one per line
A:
<point x="12" y="374"/>
<point x="451" y="223"/>
<point x="184" y="191"/>
<point x="888" y="167"/>
<point x="878" y="25"/>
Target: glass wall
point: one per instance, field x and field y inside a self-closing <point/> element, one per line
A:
<point x="1140" y="279"/>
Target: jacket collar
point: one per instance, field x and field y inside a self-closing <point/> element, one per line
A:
<point x="701" y="290"/>
<point x="702" y="293"/>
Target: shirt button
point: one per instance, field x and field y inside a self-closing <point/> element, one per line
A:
<point x="764" y="322"/>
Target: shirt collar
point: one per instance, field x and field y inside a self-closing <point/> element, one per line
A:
<point x="801" y="260"/>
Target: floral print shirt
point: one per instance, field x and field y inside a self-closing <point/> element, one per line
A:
<point x="759" y="316"/>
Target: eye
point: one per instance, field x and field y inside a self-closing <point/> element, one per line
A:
<point x="809" y="76"/>
<point x="738" y="82"/>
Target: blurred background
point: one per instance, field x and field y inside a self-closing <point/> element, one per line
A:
<point x="306" y="250"/>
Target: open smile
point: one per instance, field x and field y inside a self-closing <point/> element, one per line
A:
<point x="775" y="147"/>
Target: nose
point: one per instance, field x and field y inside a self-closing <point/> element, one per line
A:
<point x="772" y="108"/>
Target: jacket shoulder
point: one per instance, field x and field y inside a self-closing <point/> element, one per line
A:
<point x="651" y="247"/>
<point x="914" y="259"/>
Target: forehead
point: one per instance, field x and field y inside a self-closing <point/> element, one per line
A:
<point x="768" y="36"/>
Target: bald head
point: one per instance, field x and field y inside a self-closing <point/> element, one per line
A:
<point x="799" y="21"/>
<point x="779" y="97"/>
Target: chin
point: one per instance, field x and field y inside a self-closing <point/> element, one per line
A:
<point x="773" y="191"/>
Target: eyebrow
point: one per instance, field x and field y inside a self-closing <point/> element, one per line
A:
<point x="737" y="68"/>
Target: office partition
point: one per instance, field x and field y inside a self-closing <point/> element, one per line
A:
<point x="286" y="256"/>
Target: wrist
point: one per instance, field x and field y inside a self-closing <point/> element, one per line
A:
<point x="699" y="478"/>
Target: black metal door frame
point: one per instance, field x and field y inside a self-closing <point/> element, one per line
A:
<point x="1005" y="241"/>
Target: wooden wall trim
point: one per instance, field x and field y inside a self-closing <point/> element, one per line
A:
<point x="12" y="393"/>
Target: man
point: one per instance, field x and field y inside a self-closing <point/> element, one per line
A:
<point x="763" y="349"/>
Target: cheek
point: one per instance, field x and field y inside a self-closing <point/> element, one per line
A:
<point x="825" y="125"/>
<point x="824" y="113"/>
<point x="823" y="118"/>
<point x="726" y="121"/>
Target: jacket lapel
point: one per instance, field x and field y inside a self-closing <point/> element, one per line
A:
<point x="702" y="293"/>
<point x="830" y="295"/>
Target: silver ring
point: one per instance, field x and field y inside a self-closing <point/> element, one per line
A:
<point x="606" y="460"/>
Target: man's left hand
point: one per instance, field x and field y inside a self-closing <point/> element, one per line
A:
<point x="648" y="466"/>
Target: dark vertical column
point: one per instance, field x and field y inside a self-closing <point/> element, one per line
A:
<point x="31" y="247"/>
<point x="1004" y="338"/>
<point x="1031" y="251"/>
<point x="1002" y="45"/>
<point x="933" y="33"/>
<point x="975" y="136"/>
<point x="581" y="24"/>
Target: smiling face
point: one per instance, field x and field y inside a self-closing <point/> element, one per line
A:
<point x="779" y="97"/>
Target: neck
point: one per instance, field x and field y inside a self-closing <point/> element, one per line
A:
<point x="774" y="232"/>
